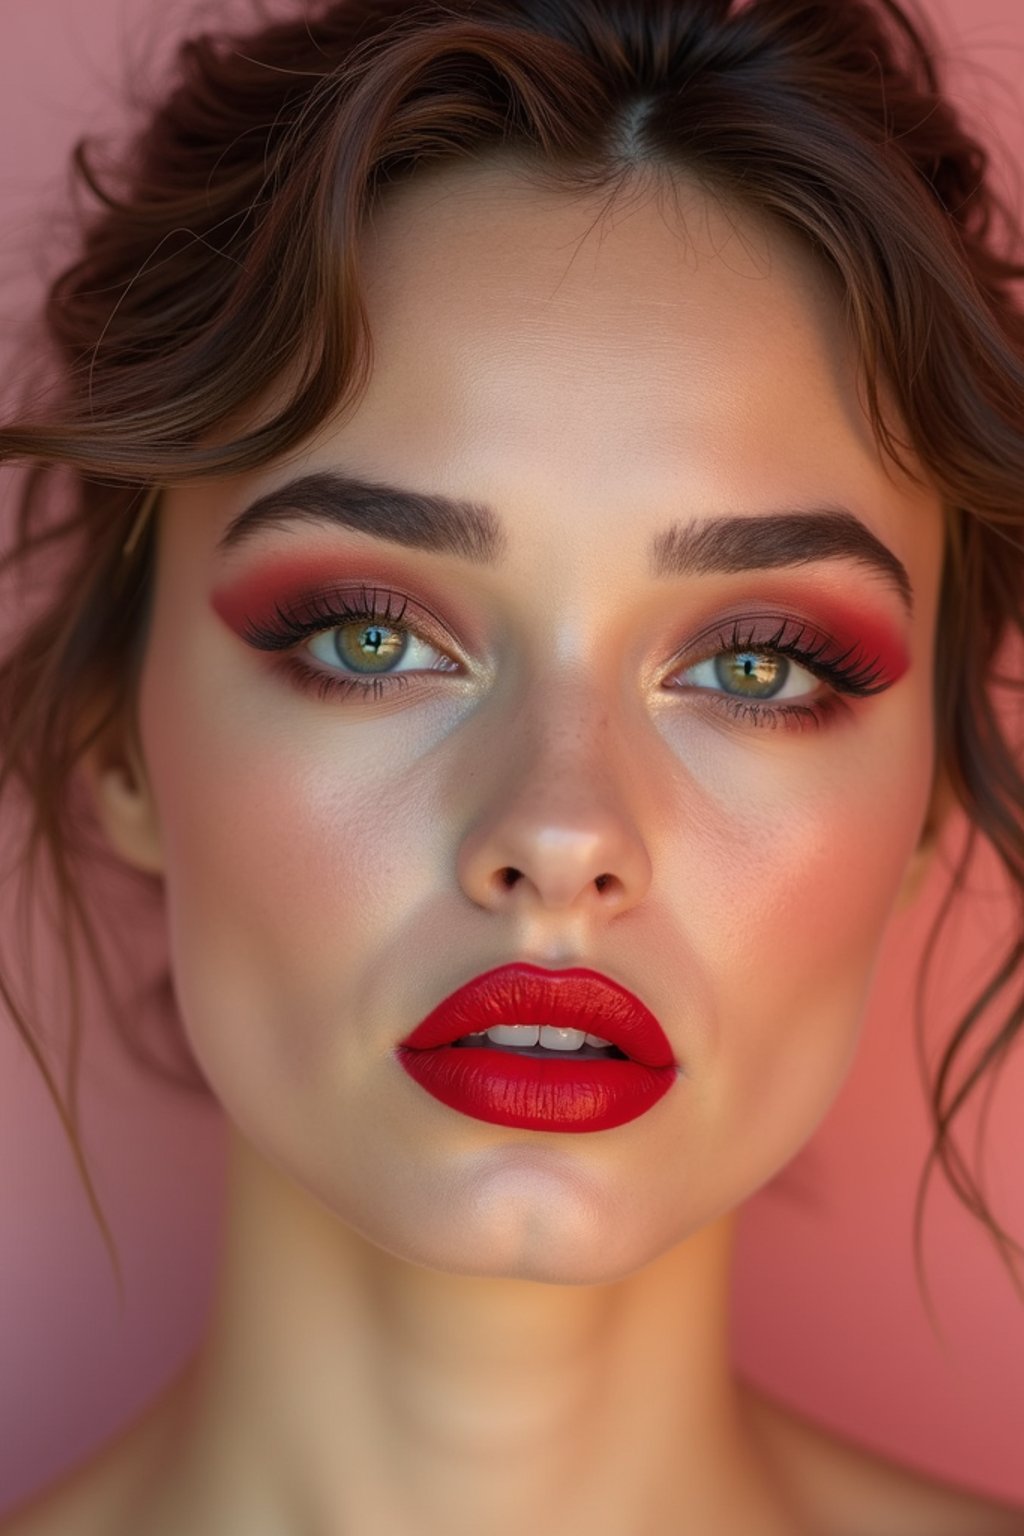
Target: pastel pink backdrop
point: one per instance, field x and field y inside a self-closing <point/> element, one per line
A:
<point x="827" y="1316"/>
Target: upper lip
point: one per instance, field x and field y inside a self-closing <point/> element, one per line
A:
<point x="529" y="994"/>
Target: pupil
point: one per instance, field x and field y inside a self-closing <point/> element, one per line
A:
<point x="755" y="674"/>
<point x="373" y="642"/>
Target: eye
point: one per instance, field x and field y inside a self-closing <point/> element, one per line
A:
<point x="767" y="672"/>
<point x="365" y="647"/>
<point x="752" y="674"/>
<point x="369" y="648"/>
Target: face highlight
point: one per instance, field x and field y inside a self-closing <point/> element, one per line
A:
<point x="349" y="738"/>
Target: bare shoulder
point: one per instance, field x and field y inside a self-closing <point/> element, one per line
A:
<point x="840" y="1488"/>
<point x="92" y="1498"/>
<point x="84" y="1501"/>
<point x="847" y="1490"/>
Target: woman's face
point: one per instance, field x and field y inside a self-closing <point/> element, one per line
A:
<point x="615" y="391"/>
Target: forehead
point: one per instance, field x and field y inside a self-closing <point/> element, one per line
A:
<point x="597" y="369"/>
<point x="658" y="331"/>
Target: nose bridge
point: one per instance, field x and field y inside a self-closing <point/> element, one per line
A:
<point x="557" y="813"/>
<point x="567" y="732"/>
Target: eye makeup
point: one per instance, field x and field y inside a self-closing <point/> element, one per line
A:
<point x="852" y="653"/>
<point x="871" y="652"/>
<point x="294" y="581"/>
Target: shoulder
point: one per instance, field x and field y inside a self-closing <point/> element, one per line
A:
<point x="81" y="1503"/>
<point x="840" y="1488"/>
<point x="89" y="1500"/>
<point x="96" y="1496"/>
<point x="844" y="1489"/>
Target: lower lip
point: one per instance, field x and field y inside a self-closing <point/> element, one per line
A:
<point x="532" y="1094"/>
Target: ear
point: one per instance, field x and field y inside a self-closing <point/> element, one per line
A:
<point x="942" y="805"/>
<point x="116" y="775"/>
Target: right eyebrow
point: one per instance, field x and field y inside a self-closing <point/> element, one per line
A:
<point x="473" y="531"/>
<point x="417" y="519"/>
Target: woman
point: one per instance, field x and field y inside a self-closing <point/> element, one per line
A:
<point x="547" y="518"/>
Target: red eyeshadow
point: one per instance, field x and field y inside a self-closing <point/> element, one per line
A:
<point x="253" y="596"/>
<point x="857" y="630"/>
<point x="284" y="581"/>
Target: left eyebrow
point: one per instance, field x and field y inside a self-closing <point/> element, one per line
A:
<point x="730" y="544"/>
<point x="472" y="530"/>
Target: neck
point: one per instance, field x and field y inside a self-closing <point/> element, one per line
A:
<point x="345" y="1389"/>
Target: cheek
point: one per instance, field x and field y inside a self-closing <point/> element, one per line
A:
<point x="802" y="869"/>
<point x="293" y="850"/>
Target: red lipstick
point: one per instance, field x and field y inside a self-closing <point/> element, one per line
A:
<point x="540" y="1089"/>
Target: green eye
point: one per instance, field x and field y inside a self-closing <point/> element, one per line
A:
<point x="751" y="674"/>
<point x="357" y="644"/>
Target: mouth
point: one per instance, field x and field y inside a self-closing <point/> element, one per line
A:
<point x="542" y="1050"/>
<point x="573" y="1010"/>
<point x="543" y="1041"/>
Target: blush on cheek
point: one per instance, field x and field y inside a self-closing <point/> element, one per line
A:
<point x="285" y="875"/>
<point x="802" y="872"/>
<point x="844" y="901"/>
<point x="793" y="978"/>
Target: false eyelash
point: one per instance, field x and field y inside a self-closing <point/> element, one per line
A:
<point x="318" y="612"/>
<point x="848" y="672"/>
<point x="313" y="615"/>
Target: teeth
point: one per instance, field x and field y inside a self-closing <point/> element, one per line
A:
<point x="561" y="1039"/>
<point x="513" y="1034"/>
<point x="546" y="1035"/>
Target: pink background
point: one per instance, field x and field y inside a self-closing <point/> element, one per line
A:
<point x="826" y="1312"/>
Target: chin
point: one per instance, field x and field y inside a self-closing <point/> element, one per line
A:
<point x="529" y="1261"/>
<point x="521" y="1221"/>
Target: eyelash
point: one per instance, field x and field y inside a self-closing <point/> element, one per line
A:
<point x="848" y="673"/>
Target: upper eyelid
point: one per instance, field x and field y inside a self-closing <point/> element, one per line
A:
<point x="718" y="644"/>
<point x="300" y="613"/>
<point x="386" y="604"/>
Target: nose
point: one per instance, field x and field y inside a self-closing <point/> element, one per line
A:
<point x="560" y="826"/>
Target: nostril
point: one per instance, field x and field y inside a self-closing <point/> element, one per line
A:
<point x="510" y="877"/>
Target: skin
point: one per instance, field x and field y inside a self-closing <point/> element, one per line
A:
<point x="426" y="1323"/>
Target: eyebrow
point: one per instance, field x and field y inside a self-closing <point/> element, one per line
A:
<point x="472" y="531"/>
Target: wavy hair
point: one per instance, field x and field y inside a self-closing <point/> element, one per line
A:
<point x="217" y="255"/>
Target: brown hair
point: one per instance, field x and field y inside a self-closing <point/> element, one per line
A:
<point x="222" y="259"/>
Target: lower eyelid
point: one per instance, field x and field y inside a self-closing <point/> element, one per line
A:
<point x="790" y="716"/>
